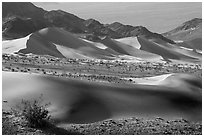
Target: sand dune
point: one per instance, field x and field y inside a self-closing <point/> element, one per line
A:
<point x="73" y="101"/>
<point x="54" y="41"/>
<point x="129" y="50"/>
<point x="70" y="53"/>
<point x="183" y="52"/>
<point x="169" y="51"/>
<point x="97" y="44"/>
<point x="181" y="81"/>
<point x="12" y="46"/>
<point x="195" y="43"/>
<point x="60" y="43"/>
<point x="156" y="80"/>
<point x="131" y="41"/>
<point x="55" y="36"/>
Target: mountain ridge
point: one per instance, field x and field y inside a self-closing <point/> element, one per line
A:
<point x="70" y="22"/>
<point x="191" y="24"/>
<point x="188" y="33"/>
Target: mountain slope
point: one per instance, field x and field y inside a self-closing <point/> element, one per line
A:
<point x="70" y="22"/>
<point x="99" y="29"/>
<point x="18" y="27"/>
<point x="188" y="25"/>
<point x="12" y="12"/>
<point x="23" y="9"/>
<point x="39" y="17"/>
<point x="128" y="30"/>
<point x="190" y="33"/>
<point x="58" y="18"/>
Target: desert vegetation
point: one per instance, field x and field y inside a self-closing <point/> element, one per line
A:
<point x="101" y="78"/>
<point x="33" y="118"/>
<point x="101" y="70"/>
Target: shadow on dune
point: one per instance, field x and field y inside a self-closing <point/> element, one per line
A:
<point x="88" y="109"/>
<point x="168" y="52"/>
<point x="48" y="41"/>
<point x="37" y="45"/>
<point x="51" y="129"/>
<point x="75" y="101"/>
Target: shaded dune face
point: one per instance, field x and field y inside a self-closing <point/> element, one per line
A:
<point x="44" y="42"/>
<point x="196" y="43"/>
<point x="153" y="48"/>
<point x="114" y="46"/>
<point x="168" y="51"/>
<point x="37" y="45"/>
<point x="73" y="101"/>
<point x="125" y="49"/>
<point x="60" y="43"/>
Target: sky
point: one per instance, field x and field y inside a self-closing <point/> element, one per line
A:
<point x="156" y="16"/>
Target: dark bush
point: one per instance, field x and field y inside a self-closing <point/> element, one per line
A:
<point x="35" y="114"/>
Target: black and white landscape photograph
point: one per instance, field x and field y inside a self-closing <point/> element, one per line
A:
<point x="101" y="68"/>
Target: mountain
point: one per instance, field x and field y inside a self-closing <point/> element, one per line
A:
<point x="188" y="34"/>
<point x="99" y="29"/>
<point x="128" y="31"/>
<point x="22" y="9"/>
<point x="18" y="27"/>
<point x="120" y="28"/>
<point x="70" y="22"/>
<point x="16" y="15"/>
<point x="61" y="34"/>
<point x="40" y="18"/>
<point x="188" y="25"/>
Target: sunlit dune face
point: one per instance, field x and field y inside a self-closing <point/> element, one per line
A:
<point x="74" y="101"/>
<point x="57" y="42"/>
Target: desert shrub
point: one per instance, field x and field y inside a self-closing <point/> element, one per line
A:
<point x="35" y="114"/>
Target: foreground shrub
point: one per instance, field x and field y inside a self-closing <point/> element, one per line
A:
<point x="34" y="113"/>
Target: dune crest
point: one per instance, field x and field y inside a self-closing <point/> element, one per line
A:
<point x="59" y="43"/>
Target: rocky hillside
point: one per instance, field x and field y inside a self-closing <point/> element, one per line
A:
<point x="39" y="18"/>
<point x="188" y="25"/>
<point x="189" y="33"/>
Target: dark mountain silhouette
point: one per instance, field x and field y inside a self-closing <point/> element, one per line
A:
<point x="120" y="28"/>
<point x="99" y="29"/>
<point x="39" y="18"/>
<point x="22" y="9"/>
<point x="65" y="20"/>
<point x="16" y="27"/>
<point x="24" y="17"/>
<point x="128" y="31"/>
